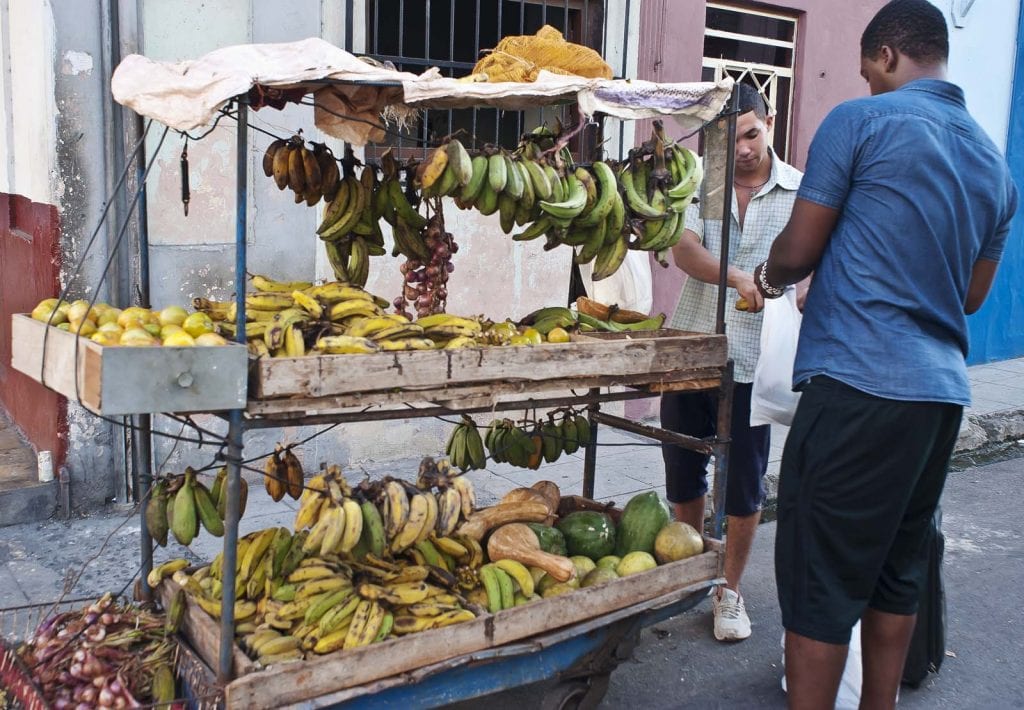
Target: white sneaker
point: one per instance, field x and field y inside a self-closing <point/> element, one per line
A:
<point x="731" y="620"/>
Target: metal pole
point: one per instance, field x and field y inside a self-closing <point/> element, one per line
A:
<point x="590" y="455"/>
<point x="235" y="424"/>
<point x="730" y="168"/>
<point x="143" y="437"/>
<point x="723" y="439"/>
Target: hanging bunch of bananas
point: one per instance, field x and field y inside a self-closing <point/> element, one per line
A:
<point x="659" y="181"/>
<point x="310" y="174"/>
<point x="179" y="504"/>
<point x="282" y="473"/>
<point x="528" y="445"/>
<point x="465" y="447"/>
<point x="350" y="228"/>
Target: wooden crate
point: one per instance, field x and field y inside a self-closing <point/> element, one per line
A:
<point x="123" y="380"/>
<point x="638" y="359"/>
<point x="203" y="631"/>
<point x="322" y="675"/>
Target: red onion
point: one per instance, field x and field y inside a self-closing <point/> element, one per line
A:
<point x="106" y="698"/>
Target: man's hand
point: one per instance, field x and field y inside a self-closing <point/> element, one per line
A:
<point x="744" y="285"/>
<point x="801" y="292"/>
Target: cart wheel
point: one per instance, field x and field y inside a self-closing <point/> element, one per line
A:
<point x="577" y="694"/>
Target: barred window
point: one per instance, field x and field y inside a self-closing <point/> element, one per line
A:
<point x="756" y="47"/>
<point x="450" y="35"/>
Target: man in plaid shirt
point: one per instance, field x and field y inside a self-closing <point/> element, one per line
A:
<point x="764" y="191"/>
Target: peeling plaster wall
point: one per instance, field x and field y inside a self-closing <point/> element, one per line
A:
<point x="79" y="192"/>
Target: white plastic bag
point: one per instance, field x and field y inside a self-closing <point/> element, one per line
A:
<point x="631" y="287"/>
<point x="773" y="400"/>
<point x="848" y="697"/>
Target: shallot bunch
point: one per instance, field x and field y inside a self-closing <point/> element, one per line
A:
<point x="100" y="656"/>
<point x="426" y="289"/>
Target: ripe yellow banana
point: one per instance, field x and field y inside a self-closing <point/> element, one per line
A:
<point x="430" y="522"/>
<point x="415" y="525"/>
<point x="344" y="344"/>
<point x="158" y="573"/>
<point x="449" y="507"/>
<point x="429" y="171"/>
<point x="518" y="572"/>
<point x="269" y="300"/>
<point x="357" y="631"/>
<point x="406" y="344"/>
<point x="267" y="284"/>
<point x="450" y="546"/>
<point x="467" y="494"/>
<point x="353" y="525"/>
<point x="394" y="508"/>
<point x="311" y="572"/>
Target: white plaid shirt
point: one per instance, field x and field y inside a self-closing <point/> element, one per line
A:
<point x="767" y="214"/>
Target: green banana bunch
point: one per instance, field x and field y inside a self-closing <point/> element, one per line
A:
<point x="465" y="447"/>
<point x="508" y="443"/>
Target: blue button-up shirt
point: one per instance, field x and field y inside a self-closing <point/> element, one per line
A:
<point x="923" y="193"/>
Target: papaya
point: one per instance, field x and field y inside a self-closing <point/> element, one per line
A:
<point x="642" y="519"/>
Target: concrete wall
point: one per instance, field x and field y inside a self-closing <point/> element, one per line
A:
<point x="981" y="59"/>
<point x="30" y="133"/>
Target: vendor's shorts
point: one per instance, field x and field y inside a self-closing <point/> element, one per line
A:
<point x="696" y="414"/>
<point x="860" y="480"/>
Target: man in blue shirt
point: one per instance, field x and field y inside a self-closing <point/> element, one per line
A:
<point x="902" y="216"/>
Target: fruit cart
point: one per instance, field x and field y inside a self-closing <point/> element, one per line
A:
<point x="578" y="638"/>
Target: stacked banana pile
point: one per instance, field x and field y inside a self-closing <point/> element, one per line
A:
<point x="180" y="503"/>
<point x="545" y="320"/>
<point x="291" y="603"/>
<point x="292" y="319"/>
<point x="310" y="174"/>
<point x="413" y="514"/>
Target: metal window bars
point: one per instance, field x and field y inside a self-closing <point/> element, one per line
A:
<point x="417" y="34"/>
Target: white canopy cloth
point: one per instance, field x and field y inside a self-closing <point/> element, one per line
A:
<point x="190" y="94"/>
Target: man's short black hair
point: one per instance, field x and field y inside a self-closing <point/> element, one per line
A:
<point x="915" y="27"/>
<point x="751" y="100"/>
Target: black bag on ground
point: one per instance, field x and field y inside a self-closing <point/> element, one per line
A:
<point x="928" y="644"/>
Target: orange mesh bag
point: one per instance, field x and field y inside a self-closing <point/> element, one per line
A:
<point x="545" y="50"/>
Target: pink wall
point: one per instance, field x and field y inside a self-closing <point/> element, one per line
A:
<point x="826" y="73"/>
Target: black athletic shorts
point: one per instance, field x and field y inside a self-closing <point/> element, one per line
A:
<point x="696" y="414"/>
<point x="861" y="476"/>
